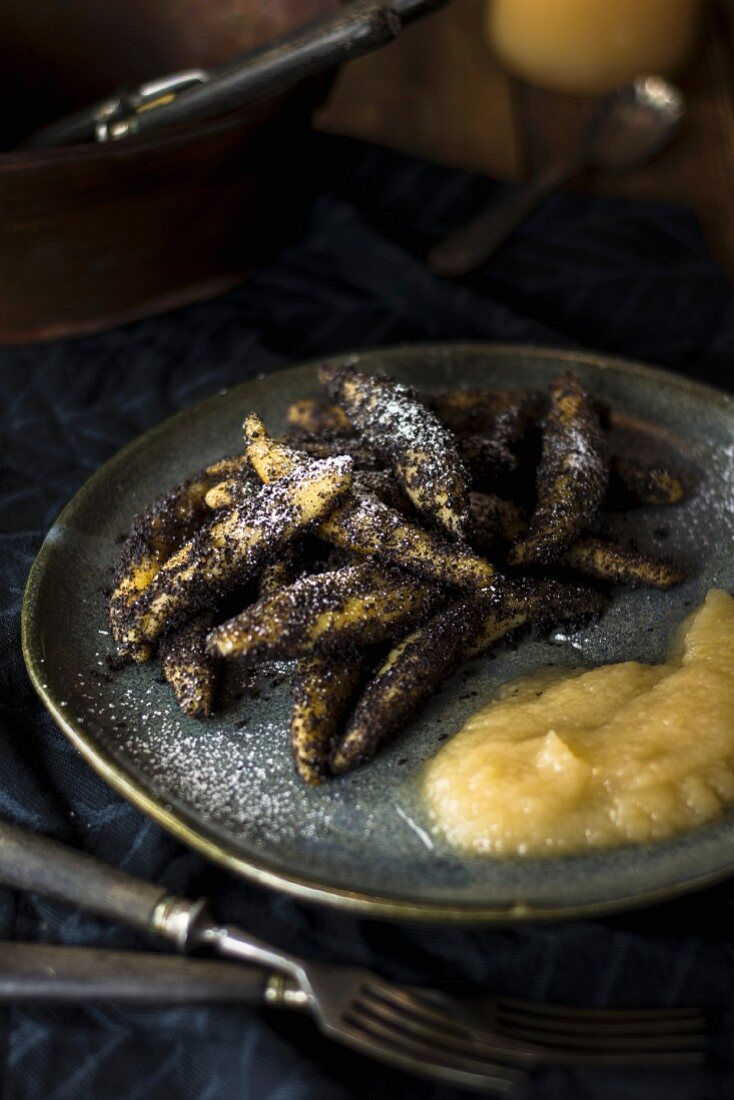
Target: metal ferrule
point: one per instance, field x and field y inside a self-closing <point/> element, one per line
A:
<point x="117" y="117"/>
<point x="180" y="920"/>
<point x="282" y="992"/>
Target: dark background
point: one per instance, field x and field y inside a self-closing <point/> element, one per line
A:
<point x="623" y="277"/>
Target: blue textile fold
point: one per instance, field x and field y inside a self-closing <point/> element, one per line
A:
<point x="625" y="277"/>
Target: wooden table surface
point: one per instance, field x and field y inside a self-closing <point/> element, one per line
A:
<point x="437" y="92"/>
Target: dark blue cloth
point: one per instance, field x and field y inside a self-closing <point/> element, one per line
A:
<point x="624" y="277"/>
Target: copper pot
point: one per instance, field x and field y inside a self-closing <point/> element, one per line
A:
<point x="98" y="234"/>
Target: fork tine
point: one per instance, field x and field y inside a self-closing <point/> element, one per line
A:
<point x="539" y="1008"/>
<point x="433" y="1004"/>
<point x="580" y="1025"/>
<point x="394" y="1007"/>
<point x="415" y="1062"/>
<point x="679" y="1050"/>
<point x="451" y="1018"/>
<point x="684" y="1017"/>
<point x="675" y="1037"/>
<point x="510" y="1014"/>
<point x="410" y="1000"/>
<point x="419" y="1056"/>
<point x="614" y="1042"/>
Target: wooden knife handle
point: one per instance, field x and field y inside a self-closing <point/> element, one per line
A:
<point x="32" y="862"/>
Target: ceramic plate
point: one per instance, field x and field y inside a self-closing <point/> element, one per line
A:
<point x="227" y="786"/>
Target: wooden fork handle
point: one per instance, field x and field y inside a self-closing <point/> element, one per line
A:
<point x="85" y="975"/>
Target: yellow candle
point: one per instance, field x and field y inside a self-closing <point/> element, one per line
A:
<point x="589" y="47"/>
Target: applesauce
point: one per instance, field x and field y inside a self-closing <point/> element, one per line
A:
<point x="564" y="761"/>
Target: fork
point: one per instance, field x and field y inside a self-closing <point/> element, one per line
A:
<point x="554" y="1034"/>
<point x="481" y="1042"/>
<point x="352" y="1005"/>
<point x="33" y="973"/>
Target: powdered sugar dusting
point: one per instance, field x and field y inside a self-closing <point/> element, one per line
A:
<point x="231" y="776"/>
<point x="235" y="769"/>
<point x="400" y="428"/>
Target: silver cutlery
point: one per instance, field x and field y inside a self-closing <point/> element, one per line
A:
<point x="569" y="1035"/>
<point x="628" y="130"/>
<point x="484" y="1043"/>
<point x="552" y="1034"/>
<point x="351" y="1005"/>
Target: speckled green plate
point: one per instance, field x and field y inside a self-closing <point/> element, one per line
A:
<point x="227" y="786"/>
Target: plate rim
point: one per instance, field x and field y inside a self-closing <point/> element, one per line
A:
<point x="362" y="903"/>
